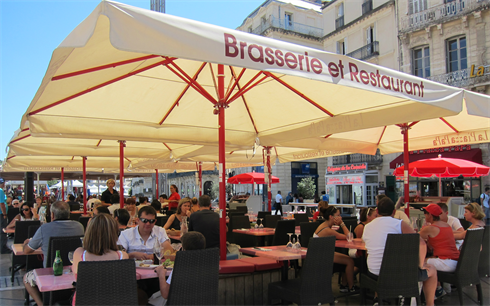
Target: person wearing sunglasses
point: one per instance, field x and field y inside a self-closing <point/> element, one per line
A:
<point x="139" y="241"/>
<point x="26" y="213"/>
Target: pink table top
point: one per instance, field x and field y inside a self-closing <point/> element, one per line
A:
<point x="277" y="252"/>
<point x="9" y="230"/>
<point x="77" y="212"/>
<point x="357" y="243"/>
<point x="46" y="281"/>
<point x="18" y="250"/>
<point x="266" y="231"/>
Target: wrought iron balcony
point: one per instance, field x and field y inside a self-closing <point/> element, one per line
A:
<point x="367" y="6"/>
<point x="358" y="158"/>
<point x="274" y="23"/>
<point x="339" y="22"/>
<point x="460" y="78"/>
<point x="439" y="13"/>
<point x="366" y="52"/>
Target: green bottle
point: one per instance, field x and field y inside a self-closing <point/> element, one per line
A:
<point x="58" y="264"/>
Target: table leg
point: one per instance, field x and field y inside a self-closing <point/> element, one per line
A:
<point x="284" y="270"/>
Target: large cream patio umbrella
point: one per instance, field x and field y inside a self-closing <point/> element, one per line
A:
<point x="134" y="74"/>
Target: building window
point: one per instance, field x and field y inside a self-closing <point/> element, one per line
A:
<point x="415" y="6"/>
<point x="367" y="6"/>
<point x="249" y="29"/>
<point x="421" y="62"/>
<point x="288" y="20"/>
<point x="456" y="54"/>
<point x="339" y="22"/>
<point x="341" y="47"/>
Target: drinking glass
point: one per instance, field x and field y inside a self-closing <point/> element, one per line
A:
<point x="297" y="246"/>
<point x="261" y="223"/>
<point x="289" y="245"/>
<point x="70" y="257"/>
<point x="350" y="237"/>
<point x="158" y="251"/>
<point x="415" y="224"/>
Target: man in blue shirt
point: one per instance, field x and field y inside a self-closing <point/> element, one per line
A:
<point x="325" y="197"/>
<point x="3" y="219"/>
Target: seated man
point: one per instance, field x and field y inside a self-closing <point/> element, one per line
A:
<point x="74" y="205"/>
<point x="60" y="226"/>
<point x="190" y="241"/>
<point x="115" y="203"/>
<point x="206" y="222"/>
<point x="375" y="235"/>
<point x="452" y="221"/>
<point x="122" y="217"/>
<point x="138" y="241"/>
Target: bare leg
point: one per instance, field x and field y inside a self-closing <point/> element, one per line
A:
<point x="430" y="285"/>
<point x="343" y="259"/>
<point x="34" y="293"/>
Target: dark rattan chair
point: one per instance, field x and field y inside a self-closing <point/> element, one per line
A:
<point x="195" y="278"/>
<point x="12" y="212"/>
<point x="283" y="227"/>
<point x="84" y="221"/>
<point x="314" y="287"/>
<point x="237" y="222"/>
<point x="398" y="275"/>
<point x="465" y="224"/>
<point x="161" y="220"/>
<point x="21" y="234"/>
<point x="307" y="231"/>
<point x="32" y="261"/>
<point x="110" y="282"/>
<point x="466" y="273"/>
<point x="271" y="221"/>
<point x="484" y="264"/>
<point x="262" y="215"/>
<point x="300" y="218"/>
<point x="75" y="216"/>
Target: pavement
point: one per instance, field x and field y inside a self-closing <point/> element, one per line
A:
<point x="12" y="294"/>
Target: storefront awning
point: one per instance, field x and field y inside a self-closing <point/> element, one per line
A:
<point x="473" y="155"/>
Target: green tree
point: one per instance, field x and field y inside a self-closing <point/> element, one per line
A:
<point x="53" y="182"/>
<point x="307" y="188"/>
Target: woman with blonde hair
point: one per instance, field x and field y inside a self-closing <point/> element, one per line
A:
<point x="472" y="213"/>
<point x="99" y="243"/>
<point x="173" y="223"/>
<point x="107" y="194"/>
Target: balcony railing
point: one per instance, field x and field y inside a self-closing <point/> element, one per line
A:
<point x="274" y="23"/>
<point x="460" y="78"/>
<point x="339" y="22"/>
<point x="366" y="52"/>
<point x="367" y="6"/>
<point x="438" y="13"/>
<point x="358" y="158"/>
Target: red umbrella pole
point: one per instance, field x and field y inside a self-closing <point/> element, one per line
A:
<point x="269" y="178"/>
<point x="200" y="178"/>
<point x="62" y="183"/>
<point x="122" y="144"/>
<point x="84" y="159"/>
<point x="406" y="163"/>
<point x="222" y="183"/>
<point x="156" y="181"/>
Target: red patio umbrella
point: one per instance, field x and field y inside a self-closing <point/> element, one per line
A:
<point x="443" y="167"/>
<point x="250" y="178"/>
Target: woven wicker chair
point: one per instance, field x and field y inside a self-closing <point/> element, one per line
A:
<point x="307" y="231"/>
<point x="237" y="222"/>
<point x="195" y="278"/>
<point x="398" y="275"/>
<point x="12" y="213"/>
<point x="110" y="282"/>
<point x="32" y="261"/>
<point x="484" y="264"/>
<point x="271" y="221"/>
<point x="314" y="287"/>
<point x="84" y="221"/>
<point x="466" y="273"/>
<point x="21" y="234"/>
<point x="282" y="229"/>
<point x="300" y="218"/>
<point x="262" y="215"/>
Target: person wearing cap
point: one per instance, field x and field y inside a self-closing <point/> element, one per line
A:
<point x="440" y="237"/>
<point x="3" y="219"/>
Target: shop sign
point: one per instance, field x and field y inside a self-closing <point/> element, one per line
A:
<point x="344" y="180"/>
<point x="480" y="71"/>
<point x="348" y="167"/>
<point x="461" y="138"/>
<point x="442" y="150"/>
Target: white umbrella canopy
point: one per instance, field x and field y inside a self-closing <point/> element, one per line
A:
<point x="134" y="74"/>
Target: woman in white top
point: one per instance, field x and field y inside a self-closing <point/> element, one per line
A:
<point x="26" y="213"/>
<point x="332" y="217"/>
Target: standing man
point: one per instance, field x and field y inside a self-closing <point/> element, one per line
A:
<point x="206" y="222"/>
<point x="485" y="203"/>
<point x="325" y="196"/>
<point x="3" y="219"/>
<point x="278" y="206"/>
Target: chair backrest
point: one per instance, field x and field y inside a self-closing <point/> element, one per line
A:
<point x="399" y="268"/>
<point x="237" y="222"/>
<point x="307" y="231"/>
<point x="65" y="245"/>
<point x="22" y="230"/>
<point x="283" y="227"/>
<point x="195" y="278"/>
<point x="484" y="264"/>
<point x="271" y="221"/>
<point x="262" y="214"/>
<point x="12" y="212"/>
<point x="242" y="208"/>
<point x="161" y="220"/>
<point x="110" y="282"/>
<point x="467" y="268"/>
<point x="33" y="261"/>
<point x="32" y="229"/>
<point x="316" y="273"/>
<point x="232" y="213"/>
<point x="84" y="221"/>
<point x="298" y="218"/>
<point x="75" y="217"/>
<point x="465" y="224"/>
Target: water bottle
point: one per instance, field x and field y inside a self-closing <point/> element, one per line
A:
<point x="42" y="214"/>
<point x="183" y="226"/>
<point x="57" y="264"/>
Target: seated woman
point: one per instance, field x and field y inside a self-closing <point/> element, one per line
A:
<point x="173" y="223"/>
<point x="321" y="204"/>
<point x="332" y="217"/>
<point x="26" y="213"/>
<point x="133" y="211"/>
<point x="472" y="213"/>
<point x="99" y="243"/>
<point x="194" y="205"/>
<point x="366" y="215"/>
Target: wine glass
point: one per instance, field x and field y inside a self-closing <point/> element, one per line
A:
<point x="289" y="245"/>
<point x="261" y="223"/>
<point x="70" y="257"/>
<point x="158" y="251"/>
<point x="297" y="246"/>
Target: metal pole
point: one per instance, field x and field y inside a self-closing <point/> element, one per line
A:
<point x="156" y="183"/>
<point x="222" y="184"/>
<point x="122" y="144"/>
<point x="62" y="183"/>
<point x="200" y="178"/>
<point x="84" y="159"/>
<point x="406" y="162"/>
<point x="38" y="186"/>
<point x="269" y="178"/>
<point x="98" y="186"/>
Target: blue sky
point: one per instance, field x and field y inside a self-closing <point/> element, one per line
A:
<point x="31" y="30"/>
